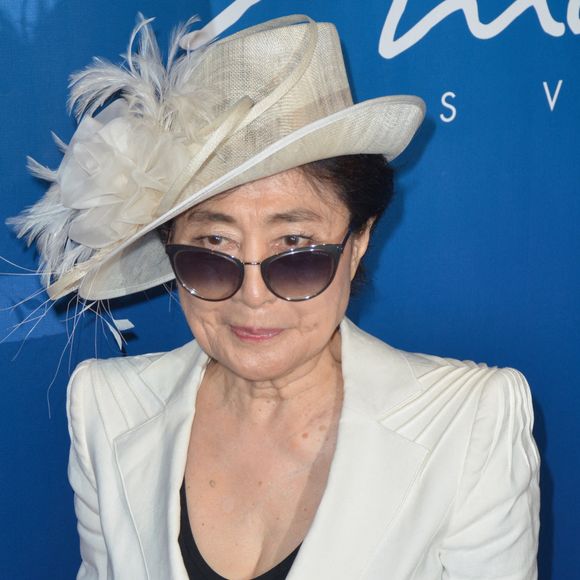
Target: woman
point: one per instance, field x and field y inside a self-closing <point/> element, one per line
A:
<point x="283" y="441"/>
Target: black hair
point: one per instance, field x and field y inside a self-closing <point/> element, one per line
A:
<point x="363" y="182"/>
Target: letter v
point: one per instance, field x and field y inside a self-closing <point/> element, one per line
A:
<point x="552" y="99"/>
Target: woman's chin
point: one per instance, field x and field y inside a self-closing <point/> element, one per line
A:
<point x="259" y="367"/>
<point x="260" y="359"/>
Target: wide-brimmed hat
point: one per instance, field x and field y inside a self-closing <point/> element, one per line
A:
<point x="154" y="140"/>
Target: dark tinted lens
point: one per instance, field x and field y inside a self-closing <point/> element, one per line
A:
<point x="300" y="275"/>
<point x="207" y="275"/>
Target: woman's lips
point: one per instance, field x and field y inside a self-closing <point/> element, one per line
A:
<point x="253" y="334"/>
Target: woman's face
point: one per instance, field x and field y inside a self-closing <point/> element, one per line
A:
<point x="255" y="334"/>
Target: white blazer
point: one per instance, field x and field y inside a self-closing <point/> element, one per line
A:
<point x="435" y="473"/>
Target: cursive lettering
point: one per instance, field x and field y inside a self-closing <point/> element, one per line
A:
<point x="389" y="46"/>
<point x="573" y="16"/>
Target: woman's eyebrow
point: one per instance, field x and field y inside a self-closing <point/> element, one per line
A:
<point x="294" y="216"/>
<point x="290" y="216"/>
<point x="203" y="215"/>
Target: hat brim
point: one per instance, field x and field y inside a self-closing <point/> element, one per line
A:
<point x="383" y="125"/>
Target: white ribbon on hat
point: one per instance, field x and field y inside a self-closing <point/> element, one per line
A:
<point x="226" y="18"/>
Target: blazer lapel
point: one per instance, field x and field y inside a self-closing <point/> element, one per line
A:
<point x="373" y="467"/>
<point x="151" y="458"/>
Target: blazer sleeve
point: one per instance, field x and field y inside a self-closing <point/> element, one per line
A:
<point x="493" y="530"/>
<point x="82" y="479"/>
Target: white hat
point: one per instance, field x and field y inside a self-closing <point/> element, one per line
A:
<point x="264" y="100"/>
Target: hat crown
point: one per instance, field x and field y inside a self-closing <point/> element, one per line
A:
<point x="254" y="64"/>
<point x="302" y="62"/>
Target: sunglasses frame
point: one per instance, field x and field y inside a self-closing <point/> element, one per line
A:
<point x="335" y="252"/>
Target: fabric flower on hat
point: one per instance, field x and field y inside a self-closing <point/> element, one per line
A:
<point x="115" y="174"/>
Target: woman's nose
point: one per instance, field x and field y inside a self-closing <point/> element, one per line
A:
<point x="254" y="291"/>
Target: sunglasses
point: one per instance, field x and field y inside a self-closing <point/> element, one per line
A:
<point x="294" y="275"/>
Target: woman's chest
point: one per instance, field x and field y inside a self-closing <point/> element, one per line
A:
<point x="252" y="501"/>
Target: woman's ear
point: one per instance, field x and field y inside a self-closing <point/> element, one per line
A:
<point x="359" y="246"/>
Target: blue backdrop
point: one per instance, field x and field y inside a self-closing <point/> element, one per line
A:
<point x="478" y="257"/>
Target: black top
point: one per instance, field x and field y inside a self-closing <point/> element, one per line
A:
<point x="199" y="569"/>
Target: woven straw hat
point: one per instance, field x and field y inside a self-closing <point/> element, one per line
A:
<point x="264" y="100"/>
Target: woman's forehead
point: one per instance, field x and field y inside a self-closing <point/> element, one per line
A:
<point x="287" y="197"/>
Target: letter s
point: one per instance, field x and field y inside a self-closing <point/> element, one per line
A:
<point x="453" y="111"/>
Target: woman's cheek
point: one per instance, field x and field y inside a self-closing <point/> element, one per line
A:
<point x="201" y="316"/>
<point x="308" y="329"/>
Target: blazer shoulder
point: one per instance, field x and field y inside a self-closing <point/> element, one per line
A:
<point x="422" y="363"/>
<point x="484" y="410"/>
<point x="393" y="382"/>
<point x="489" y="389"/>
<point x="414" y="376"/>
<point x="432" y="369"/>
<point x="115" y="394"/>
<point x="111" y="375"/>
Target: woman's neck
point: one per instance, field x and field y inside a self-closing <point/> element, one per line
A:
<point x="301" y="396"/>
